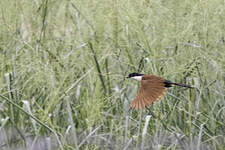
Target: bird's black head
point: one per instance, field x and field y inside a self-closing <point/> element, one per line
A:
<point x="134" y="75"/>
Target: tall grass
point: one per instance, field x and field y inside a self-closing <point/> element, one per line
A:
<point x="64" y="63"/>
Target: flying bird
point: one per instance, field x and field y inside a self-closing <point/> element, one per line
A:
<point x="152" y="89"/>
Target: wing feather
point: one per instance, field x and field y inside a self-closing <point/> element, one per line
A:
<point x="152" y="89"/>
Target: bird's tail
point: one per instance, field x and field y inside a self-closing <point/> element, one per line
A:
<point x="169" y="84"/>
<point x="182" y="85"/>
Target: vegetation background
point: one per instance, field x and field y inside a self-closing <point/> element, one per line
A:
<point x="63" y="66"/>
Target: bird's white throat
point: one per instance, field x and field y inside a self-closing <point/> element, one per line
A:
<point x="137" y="78"/>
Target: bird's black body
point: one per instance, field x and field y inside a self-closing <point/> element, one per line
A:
<point x="168" y="83"/>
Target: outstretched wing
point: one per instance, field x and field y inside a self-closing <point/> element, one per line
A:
<point x="152" y="89"/>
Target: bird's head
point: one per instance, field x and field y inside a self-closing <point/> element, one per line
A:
<point x="136" y="76"/>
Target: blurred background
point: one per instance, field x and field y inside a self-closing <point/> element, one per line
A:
<point x="63" y="68"/>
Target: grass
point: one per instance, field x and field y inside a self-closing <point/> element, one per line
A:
<point x="63" y="67"/>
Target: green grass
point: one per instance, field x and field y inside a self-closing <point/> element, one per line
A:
<point x="63" y="67"/>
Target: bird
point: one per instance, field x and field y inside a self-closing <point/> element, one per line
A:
<point x="152" y="89"/>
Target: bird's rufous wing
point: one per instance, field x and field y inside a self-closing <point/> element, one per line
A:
<point x="152" y="89"/>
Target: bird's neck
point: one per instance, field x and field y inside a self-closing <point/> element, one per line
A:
<point x="139" y="78"/>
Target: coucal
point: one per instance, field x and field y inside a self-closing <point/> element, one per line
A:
<point x="152" y="89"/>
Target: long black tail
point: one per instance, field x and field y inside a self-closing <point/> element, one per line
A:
<point x="169" y="84"/>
